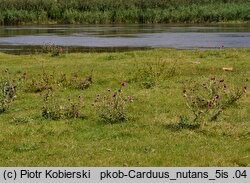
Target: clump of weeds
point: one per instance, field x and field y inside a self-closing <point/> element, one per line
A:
<point x="208" y="100"/>
<point x="54" y="108"/>
<point x="53" y="50"/>
<point x="41" y="82"/>
<point x="50" y="80"/>
<point x="77" y="82"/>
<point x="148" y="75"/>
<point x="112" y="106"/>
<point x="8" y="94"/>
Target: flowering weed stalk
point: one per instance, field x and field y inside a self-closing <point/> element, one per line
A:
<point x="211" y="98"/>
<point x="8" y="93"/>
<point x="112" y="107"/>
<point x="56" y="109"/>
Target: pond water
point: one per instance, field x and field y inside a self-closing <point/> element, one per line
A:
<point x="124" y="37"/>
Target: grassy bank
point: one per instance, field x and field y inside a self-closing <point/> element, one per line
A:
<point x="151" y="135"/>
<point x="113" y="11"/>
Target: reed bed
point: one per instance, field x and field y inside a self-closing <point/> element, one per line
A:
<point x="119" y="11"/>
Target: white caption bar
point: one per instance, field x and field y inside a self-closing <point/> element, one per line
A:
<point x="126" y="175"/>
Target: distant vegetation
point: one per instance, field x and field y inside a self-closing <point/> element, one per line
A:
<point x="120" y="11"/>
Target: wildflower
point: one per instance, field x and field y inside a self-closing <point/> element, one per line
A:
<point x="124" y="83"/>
<point x="213" y="79"/>
<point x="210" y="103"/>
<point x="114" y="95"/>
<point x="220" y="110"/>
<point x="217" y="96"/>
<point x="222" y="80"/>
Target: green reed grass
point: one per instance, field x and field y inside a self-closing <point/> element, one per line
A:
<point x="118" y="11"/>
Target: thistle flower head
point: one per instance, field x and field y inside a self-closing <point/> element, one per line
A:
<point x="124" y="83"/>
<point x="217" y="96"/>
<point x="210" y="103"/>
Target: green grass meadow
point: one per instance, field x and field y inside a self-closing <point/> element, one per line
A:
<point x="27" y="139"/>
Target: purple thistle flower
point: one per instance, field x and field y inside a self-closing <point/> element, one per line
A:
<point x="210" y="103"/>
<point x="222" y="80"/>
<point x="114" y="95"/>
<point x="217" y="96"/>
<point x="124" y="83"/>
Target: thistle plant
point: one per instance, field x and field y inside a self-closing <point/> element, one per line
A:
<point x="56" y="109"/>
<point x="53" y="49"/>
<point x="78" y="82"/>
<point x="112" y="107"/>
<point x="149" y="74"/>
<point x="41" y="82"/>
<point x="211" y="98"/>
<point x="8" y="91"/>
